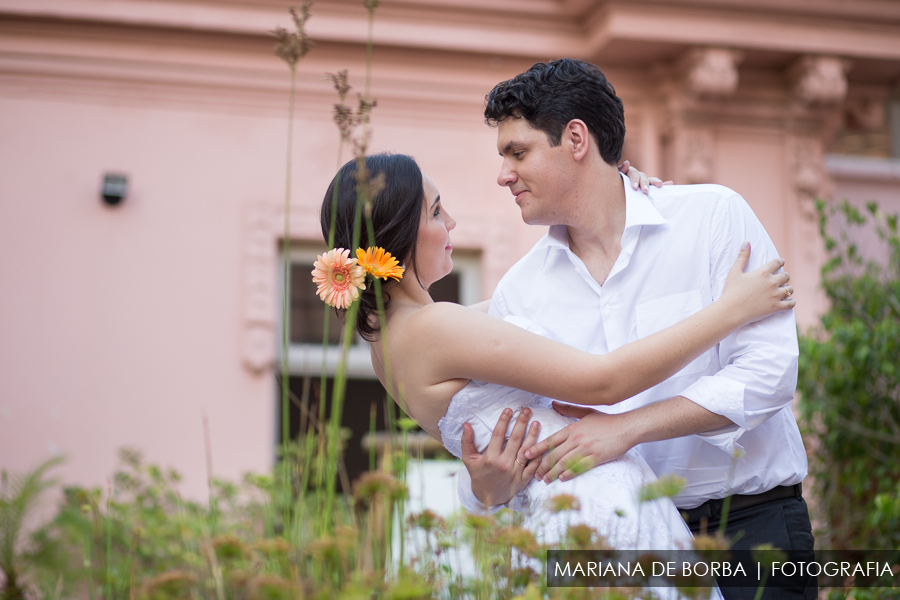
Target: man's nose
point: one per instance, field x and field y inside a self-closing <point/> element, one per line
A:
<point x="507" y="176"/>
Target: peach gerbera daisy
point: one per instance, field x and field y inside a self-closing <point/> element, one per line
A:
<point x="378" y="263"/>
<point x="339" y="278"/>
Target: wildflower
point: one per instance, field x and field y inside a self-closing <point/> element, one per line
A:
<point x="478" y="522"/>
<point x="519" y="538"/>
<point x="378" y="263"/>
<point x="228" y="547"/>
<point x="666" y="486"/>
<point x="427" y="520"/>
<point x="339" y="278"/>
<point x="333" y="549"/>
<point x="171" y="584"/>
<point x="272" y="587"/>
<point x="563" y="502"/>
<point x="581" y="535"/>
<point x="272" y="548"/>
<point x="374" y="485"/>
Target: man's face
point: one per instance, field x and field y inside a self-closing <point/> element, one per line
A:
<point x="537" y="174"/>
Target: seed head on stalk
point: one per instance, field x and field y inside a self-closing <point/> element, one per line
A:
<point x="291" y="47"/>
<point x="371" y="5"/>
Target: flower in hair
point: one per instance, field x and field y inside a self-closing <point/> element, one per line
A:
<point x="378" y="263"/>
<point x="339" y="278"/>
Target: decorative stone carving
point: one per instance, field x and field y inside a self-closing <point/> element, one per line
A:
<point x="711" y="71"/>
<point x="867" y="111"/>
<point x="819" y="79"/>
<point x="809" y="179"/>
<point x="258" y="340"/>
<point x="697" y="148"/>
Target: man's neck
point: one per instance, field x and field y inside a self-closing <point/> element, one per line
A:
<point x="595" y="233"/>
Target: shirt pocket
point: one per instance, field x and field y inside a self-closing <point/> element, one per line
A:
<point x="656" y="315"/>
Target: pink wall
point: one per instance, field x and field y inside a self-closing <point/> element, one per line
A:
<point x="124" y="326"/>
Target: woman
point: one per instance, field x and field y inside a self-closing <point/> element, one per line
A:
<point x="448" y="364"/>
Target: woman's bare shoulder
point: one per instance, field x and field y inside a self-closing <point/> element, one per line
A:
<point x="439" y="315"/>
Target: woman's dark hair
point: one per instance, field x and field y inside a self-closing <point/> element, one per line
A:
<point x="549" y="95"/>
<point x="396" y="211"/>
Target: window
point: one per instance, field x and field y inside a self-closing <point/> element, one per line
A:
<point x="306" y="354"/>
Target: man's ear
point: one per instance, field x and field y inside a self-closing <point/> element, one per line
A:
<point x="577" y="138"/>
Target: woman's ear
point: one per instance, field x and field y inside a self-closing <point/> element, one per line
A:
<point x="577" y="138"/>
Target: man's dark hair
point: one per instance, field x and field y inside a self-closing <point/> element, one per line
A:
<point x="549" y="95"/>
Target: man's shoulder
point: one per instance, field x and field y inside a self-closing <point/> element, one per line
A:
<point x="695" y="200"/>
<point x="698" y="193"/>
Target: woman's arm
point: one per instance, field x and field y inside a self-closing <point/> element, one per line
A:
<point x="456" y="343"/>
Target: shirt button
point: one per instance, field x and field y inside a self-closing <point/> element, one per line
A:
<point x="609" y="305"/>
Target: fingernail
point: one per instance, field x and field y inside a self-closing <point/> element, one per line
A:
<point x="745" y="246"/>
<point x="644" y="187"/>
<point x="634" y="185"/>
<point x="563" y="478"/>
<point x="528" y="454"/>
<point x="507" y="411"/>
<point x="526" y="411"/>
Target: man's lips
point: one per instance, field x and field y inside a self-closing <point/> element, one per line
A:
<point x="517" y="194"/>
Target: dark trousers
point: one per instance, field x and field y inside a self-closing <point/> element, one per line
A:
<point x="782" y="523"/>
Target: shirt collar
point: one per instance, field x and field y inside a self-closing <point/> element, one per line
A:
<point x="638" y="211"/>
<point x="638" y="208"/>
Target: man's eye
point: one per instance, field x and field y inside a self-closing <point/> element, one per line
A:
<point x="518" y="155"/>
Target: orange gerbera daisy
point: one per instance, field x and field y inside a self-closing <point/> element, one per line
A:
<point x="378" y="263"/>
<point x="339" y="278"/>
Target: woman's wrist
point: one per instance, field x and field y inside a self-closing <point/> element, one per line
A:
<point x="728" y="312"/>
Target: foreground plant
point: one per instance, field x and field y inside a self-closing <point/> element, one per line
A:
<point x="21" y="561"/>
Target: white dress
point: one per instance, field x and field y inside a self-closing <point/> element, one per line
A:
<point x="607" y="494"/>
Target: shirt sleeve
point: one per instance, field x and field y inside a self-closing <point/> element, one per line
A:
<point x="498" y="306"/>
<point x="759" y="361"/>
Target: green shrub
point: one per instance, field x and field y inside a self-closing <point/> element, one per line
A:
<point x="850" y="384"/>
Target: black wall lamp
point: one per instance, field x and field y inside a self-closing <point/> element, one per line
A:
<point x="115" y="188"/>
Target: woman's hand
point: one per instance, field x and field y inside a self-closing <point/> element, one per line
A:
<point x="640" y="179"/>
<point x="499" y="473"/>
<point x="758" y="294"/>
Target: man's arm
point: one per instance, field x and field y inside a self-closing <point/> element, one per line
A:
<point x="598" y="437"/>
<point x="757" y="380"/>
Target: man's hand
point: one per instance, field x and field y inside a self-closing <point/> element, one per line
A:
<point x="499" y="473"/>
<point x="595" y="439"/>
<point x="599" y="438"/>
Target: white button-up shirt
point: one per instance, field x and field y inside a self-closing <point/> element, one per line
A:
<point x="677" y="248"/>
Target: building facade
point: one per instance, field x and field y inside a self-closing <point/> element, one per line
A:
<point x="154" y="323"/>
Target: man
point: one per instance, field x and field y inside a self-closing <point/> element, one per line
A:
<point x="616" y="266"/>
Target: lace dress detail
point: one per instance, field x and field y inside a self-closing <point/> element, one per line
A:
<point x="608" y="494"/>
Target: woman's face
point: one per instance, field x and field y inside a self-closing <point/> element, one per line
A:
<point x="433" y="248"/>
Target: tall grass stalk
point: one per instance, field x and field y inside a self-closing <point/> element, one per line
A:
<point x="291" y="47"/>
